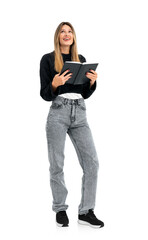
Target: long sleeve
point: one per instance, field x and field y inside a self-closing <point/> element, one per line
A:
<point x="47" y="73"/>
<point x="46" y="91"/>
<point x="87" y="91"/>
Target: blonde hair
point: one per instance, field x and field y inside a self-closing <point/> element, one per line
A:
<point x="58" y="64"/>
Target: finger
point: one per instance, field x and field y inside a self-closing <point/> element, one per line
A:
<point x="92" y="70"/>
<point x="68" y="76"/>
<point x="92" y="77"/>
<point x="65" y="72"/>
<point x="91" y="74"/>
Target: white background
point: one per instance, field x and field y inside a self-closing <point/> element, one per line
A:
<point x="114" y="33"/>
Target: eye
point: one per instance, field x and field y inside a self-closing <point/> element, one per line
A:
<point x="64" y="31"/>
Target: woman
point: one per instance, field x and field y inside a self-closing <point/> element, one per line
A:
<point x="67" y="114"/>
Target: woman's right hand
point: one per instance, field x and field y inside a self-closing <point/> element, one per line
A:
<point x="60" y="80"/>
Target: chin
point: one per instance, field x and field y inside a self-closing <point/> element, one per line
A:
<point x="67" y="43"/>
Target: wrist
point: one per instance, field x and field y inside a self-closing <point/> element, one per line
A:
<point x="91" y="84"/>
<point x="53" y="86"/>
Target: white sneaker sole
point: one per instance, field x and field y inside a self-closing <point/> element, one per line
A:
<point x="88" y="224"/>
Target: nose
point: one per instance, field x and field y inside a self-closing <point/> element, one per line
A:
<point x="66" y="35"/>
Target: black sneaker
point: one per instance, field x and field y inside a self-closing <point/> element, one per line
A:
<point x="62" y="219"/>
<point x="90" y="219"/>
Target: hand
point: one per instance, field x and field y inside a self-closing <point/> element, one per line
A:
<point x="60" y="80"/>
<point x="92" y="76"/>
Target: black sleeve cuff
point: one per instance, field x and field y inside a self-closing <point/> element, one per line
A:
<point x="87" y="91"/>
<point x="47" y="94"/>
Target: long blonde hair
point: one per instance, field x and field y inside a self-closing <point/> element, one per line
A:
<point x="73" y="48"/>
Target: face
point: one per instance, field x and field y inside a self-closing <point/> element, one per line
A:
<point x="66" y="36"/>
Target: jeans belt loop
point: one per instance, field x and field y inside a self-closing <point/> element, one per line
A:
<point x="76" y="101"/>
<point x="79" y="102"/>
<point x="65" y="101"/>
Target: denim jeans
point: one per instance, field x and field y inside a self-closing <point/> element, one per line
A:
<point x="69" y="116"/>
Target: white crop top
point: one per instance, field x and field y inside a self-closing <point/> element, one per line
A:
<point x="71" y="95"/>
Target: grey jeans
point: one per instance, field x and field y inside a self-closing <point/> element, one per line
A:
<point x="69" y="116"/>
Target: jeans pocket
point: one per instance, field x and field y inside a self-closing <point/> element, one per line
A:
<point x="82" y="106"/>
<point x="57" y="105"/>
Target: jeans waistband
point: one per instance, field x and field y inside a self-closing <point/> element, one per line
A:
<point x="70" y="101"/>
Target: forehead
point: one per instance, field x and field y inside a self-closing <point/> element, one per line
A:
<point x="65" y="27"/>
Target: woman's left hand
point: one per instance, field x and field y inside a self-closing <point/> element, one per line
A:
<point x="92" y="76"/>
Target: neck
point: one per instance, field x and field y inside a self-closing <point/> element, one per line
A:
<point x="65" y="49"/>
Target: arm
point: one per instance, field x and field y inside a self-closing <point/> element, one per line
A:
<point x="48" y="92"/>
<point x="88" y="88"/>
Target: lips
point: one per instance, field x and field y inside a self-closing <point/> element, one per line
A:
<point x="66" y="39"/>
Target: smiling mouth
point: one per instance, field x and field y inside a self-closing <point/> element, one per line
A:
<point x="66" y="39"/>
